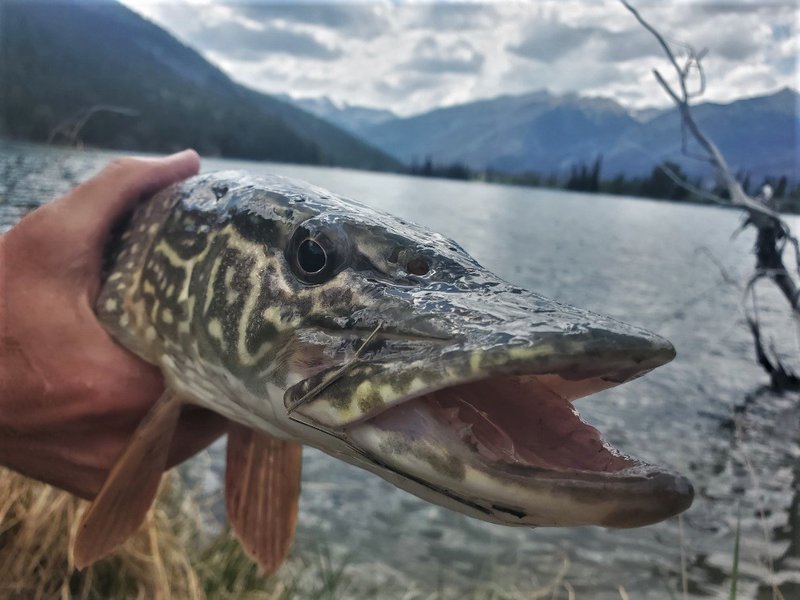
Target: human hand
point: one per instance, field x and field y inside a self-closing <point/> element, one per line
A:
<point x="70" y="396"/>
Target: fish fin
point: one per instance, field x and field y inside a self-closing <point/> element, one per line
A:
<point x="122" y="504"/>
<point x="262" y="488"/>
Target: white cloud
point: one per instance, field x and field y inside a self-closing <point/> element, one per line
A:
<point x="413" y="56"/>
<point x="432" y="55"/>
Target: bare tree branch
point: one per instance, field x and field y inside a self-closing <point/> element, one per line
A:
<point x="71" y="128"/>
<point x="773" y="233"/>
<point x="699" y="192"/>
<point x="737" y="194"/>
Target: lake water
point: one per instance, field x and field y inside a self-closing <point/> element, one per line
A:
<point x="706" y="414"/>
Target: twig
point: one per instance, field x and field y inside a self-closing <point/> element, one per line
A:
<point x="335" y="375"/>
<point x="737" y="194"/>
<point x="71" y="128"/>
<point x="693" y="189"/>
<point x="726" y="276"/>
<point x="773" y="233"/>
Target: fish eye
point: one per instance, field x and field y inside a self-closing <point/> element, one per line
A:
<point x="311" y="257"/>
<point x="316" y="252"/>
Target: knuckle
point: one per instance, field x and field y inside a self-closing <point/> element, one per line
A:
<point x="125" y="163"/>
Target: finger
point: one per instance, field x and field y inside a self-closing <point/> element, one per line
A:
<point x="96" y="204"/>
<point x="197" y="428"/>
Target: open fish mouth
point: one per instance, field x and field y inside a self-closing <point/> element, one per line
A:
<point x="489" y="428"/>
<point x="515" y="448"/>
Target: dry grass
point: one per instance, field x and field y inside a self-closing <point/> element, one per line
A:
<point x="37" y="523"/>
<point x="172" y="558"/>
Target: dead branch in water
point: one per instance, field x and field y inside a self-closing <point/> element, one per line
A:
<point x="772" y="232"/>
<point x="70" y="129"/>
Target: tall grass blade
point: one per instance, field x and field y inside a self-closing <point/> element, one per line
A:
<point x="735" y="569"/>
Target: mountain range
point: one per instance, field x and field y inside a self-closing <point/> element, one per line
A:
<point x="60" y="59"/>
<point x="350" y="117"/>
<point x="547" y="133"/>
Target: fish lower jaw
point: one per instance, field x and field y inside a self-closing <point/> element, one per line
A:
<point x="493" y="452"/>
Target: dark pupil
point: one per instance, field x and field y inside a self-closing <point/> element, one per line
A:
<point x="418" y="266"/>
<point x="311" y="257"/>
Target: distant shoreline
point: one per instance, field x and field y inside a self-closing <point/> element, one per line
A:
<point x="584" y="179"/>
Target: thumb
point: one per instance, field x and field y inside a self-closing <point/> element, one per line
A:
<point x="92" y="208"/>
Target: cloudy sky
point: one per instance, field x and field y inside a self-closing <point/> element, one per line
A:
<point x="413" y="56"/>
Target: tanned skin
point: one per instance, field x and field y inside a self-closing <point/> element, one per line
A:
<point x="70" y="396"/>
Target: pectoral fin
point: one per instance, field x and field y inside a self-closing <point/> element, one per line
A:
<point x="262" y="487"/>
<point x="126" y="496"/>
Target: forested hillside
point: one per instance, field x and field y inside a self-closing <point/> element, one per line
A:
<point x="60" y="59"/>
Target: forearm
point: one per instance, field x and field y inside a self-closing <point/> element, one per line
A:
<point x="6" y="431"/>
<point x="17" y="377"/>
<point x="4" y="376"/>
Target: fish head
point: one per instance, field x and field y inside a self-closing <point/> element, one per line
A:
<point x="387" y="345"/>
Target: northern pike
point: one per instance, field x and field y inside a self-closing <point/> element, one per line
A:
<point x="307" y="318"/>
